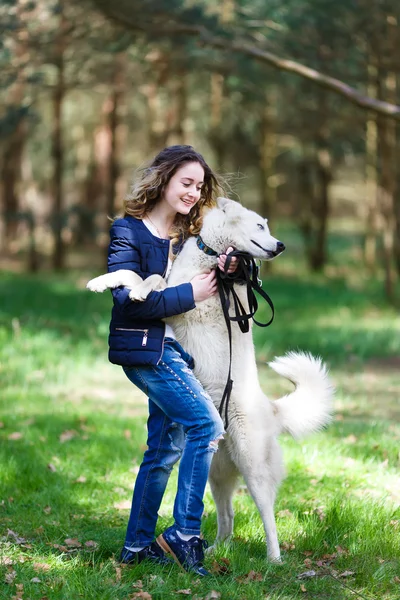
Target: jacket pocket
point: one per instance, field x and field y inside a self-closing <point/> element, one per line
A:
<point x="144" y="331"/>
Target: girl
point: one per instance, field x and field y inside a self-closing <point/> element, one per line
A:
<point x="183" y="423"/>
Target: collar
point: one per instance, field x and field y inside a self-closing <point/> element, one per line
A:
<point x="206" y="249"/>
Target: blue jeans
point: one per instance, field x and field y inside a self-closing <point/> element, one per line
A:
<point x="183" y="424"/>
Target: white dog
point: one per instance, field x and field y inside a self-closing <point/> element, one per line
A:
<point x="250" y="446"/>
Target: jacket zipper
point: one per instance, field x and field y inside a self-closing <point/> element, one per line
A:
<point x="145" y="333"/>
<point x="162" y="348"/>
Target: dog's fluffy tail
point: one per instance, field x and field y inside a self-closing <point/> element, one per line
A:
<point x="309" y="407"/>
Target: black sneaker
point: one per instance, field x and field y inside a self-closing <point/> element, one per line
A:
<point x="189" y="555"/>
<point x="152" y="553"/>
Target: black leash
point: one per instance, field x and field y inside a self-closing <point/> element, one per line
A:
<point x="246" y="272"/>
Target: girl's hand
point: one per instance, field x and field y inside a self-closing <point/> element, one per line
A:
<point x="204" y="286"/>
<point x="222" y="260"/>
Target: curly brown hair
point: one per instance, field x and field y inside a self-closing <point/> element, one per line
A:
<point x="147" y="189"/>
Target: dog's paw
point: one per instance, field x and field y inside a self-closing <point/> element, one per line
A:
<point x="137" y="296"/>
<point x="96" y="285"/>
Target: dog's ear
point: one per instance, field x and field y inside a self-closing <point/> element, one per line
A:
<point x="222" y="203"/>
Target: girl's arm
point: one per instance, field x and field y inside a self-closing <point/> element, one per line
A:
<point x="124" y="254"/>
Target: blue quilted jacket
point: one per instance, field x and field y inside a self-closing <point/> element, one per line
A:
<point x="136" y="329"/>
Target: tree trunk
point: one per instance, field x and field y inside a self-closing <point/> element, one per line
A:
<point x="178" y="111"/>
<point x="14" y="144"/>
<point x="57" y="150"/>
<point x="371" y="173"/>
<point x="216" y="136"/>
<point x="112" y="124"/>
<point x="387" y="153"/>
<point x="268" y="150"/>
<point x="10" y="176"/>
<point x="324" y="178"/>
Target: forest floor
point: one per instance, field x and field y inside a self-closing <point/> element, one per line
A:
<point x="72" y="432"/>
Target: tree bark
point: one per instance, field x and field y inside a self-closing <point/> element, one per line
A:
<point x="268" y="150"/>
<point x="387" y="130"/>
<point x="113" y="122"/>
<point x="57" y="150"/>
<point x="14" y="144"/>
<point x="371" y="173"/>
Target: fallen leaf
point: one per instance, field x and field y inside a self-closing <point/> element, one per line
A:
<point x="59" y="547"/>
<point x="320" y="513"/>
<point x="118" y="574"/>
<point x="36" y="580"/>
<point x="81" y="479"/>
<point x="251" y="576"/>
<point x="307" y="574"/>
<point x="213" y="595"/>
<point x="287" y="546"/>
<point x="51" y="467"/>
<point x="41" y="566"/>
<point x="138" y="584"/>
<point x="350" y="439"/>
<point x="346" y="574"/>
<point x="341" y="550"/>
<point x="19" y="588"/>
<point x="156" y="579"/>
<point x="187" y="592"/>
<point x="16" y="435"/>
<point x="396" y="579"/>
<point x="127" y="434"/>
<point x="285" y="513"/>
<point x="308" y="553"/>
<point x="91" y="544"/>
<point x="124" y="504"/>
<point x="303" y="588"/>
<point x="68" y="435"/>
<point x="17" y="538"/>
<point x="308" y="562"/>
<point x="47" y="510"/>
<point x="73" y="543"/>
<point x="221" y="567"/>
<point x="143" y="595"/>
<point x="10" y="576"/>
<point x="1" y="424"/>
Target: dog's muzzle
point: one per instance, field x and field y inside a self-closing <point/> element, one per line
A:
<point x="280" y="246"/>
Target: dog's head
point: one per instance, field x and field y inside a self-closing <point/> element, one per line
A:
<point x="231" y="224"/>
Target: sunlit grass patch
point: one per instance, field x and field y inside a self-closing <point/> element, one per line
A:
<point x="73" y="431"/>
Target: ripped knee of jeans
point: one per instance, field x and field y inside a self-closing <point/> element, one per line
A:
<point x="213" y="445"/>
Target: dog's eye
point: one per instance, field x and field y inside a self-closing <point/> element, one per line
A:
<point x="260" y="226"/>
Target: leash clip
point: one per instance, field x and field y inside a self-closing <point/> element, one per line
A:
<point x="259" y="280"/>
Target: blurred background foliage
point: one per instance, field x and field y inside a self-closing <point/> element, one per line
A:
<point x="297" y="99"/>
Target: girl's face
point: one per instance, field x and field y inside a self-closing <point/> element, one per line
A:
<point x="183" y="190"/>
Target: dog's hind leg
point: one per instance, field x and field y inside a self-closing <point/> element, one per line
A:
<point x="263" y="476"/>
<point x="223" y="480"/>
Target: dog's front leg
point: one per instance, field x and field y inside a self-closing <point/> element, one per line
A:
<point x="114" y="280"/>
<point x="154" y="283"/>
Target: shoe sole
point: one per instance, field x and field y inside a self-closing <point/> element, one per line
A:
<point x="164" y="545"/>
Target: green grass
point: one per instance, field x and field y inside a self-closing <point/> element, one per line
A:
<point x="80" y="429"/>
